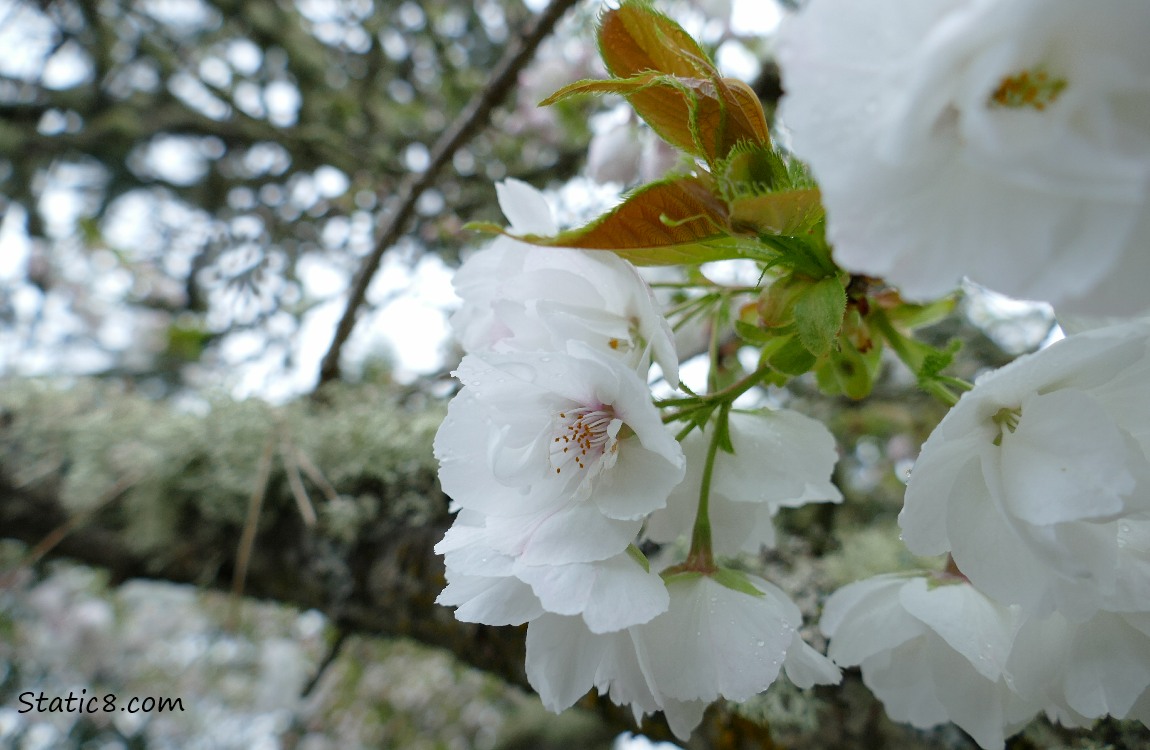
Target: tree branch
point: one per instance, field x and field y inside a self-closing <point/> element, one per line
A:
<point x="471" y="120"/>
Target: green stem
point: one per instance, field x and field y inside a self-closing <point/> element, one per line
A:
<point x="701" y="558"/>
<point x="730" y="393"/>
<point x="938" y="386"/>
<point x="897" y="341"/>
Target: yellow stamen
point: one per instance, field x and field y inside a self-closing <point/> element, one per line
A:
<point x="1028" y="89"/>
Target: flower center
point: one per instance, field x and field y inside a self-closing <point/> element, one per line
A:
<point x="582" y="435"/>
<point x="1027" y="89"/>
<point x="1007" y="421"/>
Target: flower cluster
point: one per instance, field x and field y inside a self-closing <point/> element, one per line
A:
<point x="1006" y="141"/>
<point x="1002" y="140"/>
<point x="1037" y="484"/>
<point x="559" y="464"/>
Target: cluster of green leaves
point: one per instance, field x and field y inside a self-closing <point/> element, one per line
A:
<point x="743" y="198"/>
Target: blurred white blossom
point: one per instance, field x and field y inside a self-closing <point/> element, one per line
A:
<point x="1004" y="140"/>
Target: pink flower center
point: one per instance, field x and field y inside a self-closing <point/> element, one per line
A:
<point x="583" y="435"/>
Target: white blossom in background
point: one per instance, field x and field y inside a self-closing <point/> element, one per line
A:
<point x="931" y="651"/>
<point x="517" y="297"/>
<point x="1080" y="672"/>
<point x="1038" y="481"/>
<point x="782" y="459"/>
<point x="625" y="152"/>
<point x="1004" y="140"/>
<point x="712" y="642"/>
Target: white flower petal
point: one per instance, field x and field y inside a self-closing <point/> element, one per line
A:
<point x="971" y="624"/>
<point x="611" y="595"/>
<point x="903" y="680"/>
<point x="525" y="207"/>
<point x="1110" y="667"/>
<point x="937" y="473"/>
<point x="866" y="618"/>
<point x="1065" y="461"/>
<point x="778" y="455"/>
<point x="683" y="716"/>
<point x="714" y="641"/>
<point x="563" y="657"/>
<point x="806" y="667"/>
<point x="492" y="601"/>
<point x="578" y="532"/>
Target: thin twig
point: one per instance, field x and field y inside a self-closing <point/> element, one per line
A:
<point x="470" y="121"/>
<point x="58" y="534"/>
<point x="251" y="523"/>
<point x="315" y="475"/>
<point x="295" y="482"/>
<point x="329" y="658"/>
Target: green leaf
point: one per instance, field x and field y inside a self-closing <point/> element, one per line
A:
<point x="819" y="315"/>
<point x="792" y="358"/>
<point x="752" y="334"/>
<point x="789" y="212"/>
<point x="807" y="255"/>
<point x="753" y="169"/>
<point x="938" y="360"/>
<point x="621" y="86"/>
<point x="736" y="581"/>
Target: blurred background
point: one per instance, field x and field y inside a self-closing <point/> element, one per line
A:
<point x="188" y="191"/>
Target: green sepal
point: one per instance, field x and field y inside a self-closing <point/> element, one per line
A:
<point x="736" y="581"/>
<point x="752" y="334"/>
<point x="680" y="576"/>
<point x="637" y="555"/>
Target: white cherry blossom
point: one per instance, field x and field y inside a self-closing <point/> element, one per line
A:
<point x="782" y="459"/>
<point x="517" y="297"/>
<point x="712" y="642"/>
<point x="1038" y="480"/>
<point x="563" y="453"/>
<point x="931" y="651"/>
<point x="1004" y="140"/>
